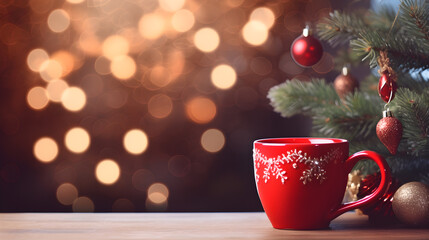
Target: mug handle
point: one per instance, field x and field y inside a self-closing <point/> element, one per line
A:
<point x="373" y="197"/>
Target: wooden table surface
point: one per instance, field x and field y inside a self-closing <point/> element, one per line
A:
<point x="76" y="226"/>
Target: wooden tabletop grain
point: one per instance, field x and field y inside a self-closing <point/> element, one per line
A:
<point x="76" y="226"/>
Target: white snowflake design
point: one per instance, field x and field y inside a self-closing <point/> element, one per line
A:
<point x="273" y="168"/>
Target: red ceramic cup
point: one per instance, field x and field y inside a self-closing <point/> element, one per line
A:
<point x="301" y="181"/>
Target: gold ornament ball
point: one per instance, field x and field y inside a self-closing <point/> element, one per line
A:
<point x="344" y="84"/>
<point x="411" y="204"/>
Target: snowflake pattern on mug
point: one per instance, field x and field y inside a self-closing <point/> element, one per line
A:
<point x="272" y="166"/>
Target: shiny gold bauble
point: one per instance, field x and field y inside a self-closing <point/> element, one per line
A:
<point x="411" y="204"/>
<point x="345" y="84"/>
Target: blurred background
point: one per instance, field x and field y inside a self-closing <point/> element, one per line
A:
<point x="146" y="105"/>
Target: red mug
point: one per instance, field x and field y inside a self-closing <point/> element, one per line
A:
<point x="301" y="181"/>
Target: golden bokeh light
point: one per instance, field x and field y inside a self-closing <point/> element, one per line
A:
<point x="223" y="76"/>
<point x="77" y="140"/>
<point x="66" y="60"/>
<point x="73" y="99"/>
<point x="45" y="149"/>
<point x="206" y="39"/>
<point x="115" y="46"/>
<point x="264" y="15"/>
<point x="75" y="1"/>
<point x="83" y="204"/>
<point x="183" y="20"/>
<point x="51" y="69"/>
<point x="158" y="193"/>
<point x="58" y="20"/>
<point x="160" y="106"/>
<point x="123" y="67"/>
<point x="212" y="140"/>
<point x="55" y="89"/>
<point x="37" y="98"/>
<point x="102" y="65"/>
<point x="171" y="5"/>
<point x="255" y="32"/>
<point x="36" y="58"/>
<point x="201" y="110"/>
<point x="107" y="172"/>
<point x="152" y="26"/>
<point x="160" y="76"/>
<point x="135" y="141"/>
<point x="67" y="193"/>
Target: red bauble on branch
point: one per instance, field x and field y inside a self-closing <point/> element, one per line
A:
<point x="386" y="88"/>
<point x="389" y="131"/>
<point x="306" y="50"/>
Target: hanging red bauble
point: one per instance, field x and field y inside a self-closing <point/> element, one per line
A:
<point x="389" y="131"/>
<point x="380" y="211"/>
<point x="306" y="50"/>
<point x="386" y="87"/>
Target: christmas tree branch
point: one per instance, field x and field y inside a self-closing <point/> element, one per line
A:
<point x="415" y="17"/>
<point x="297" y="97"/>
<point x="413" y="112"/>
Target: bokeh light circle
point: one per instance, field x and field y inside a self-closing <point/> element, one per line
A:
<point x="115" y="46"/>
<point x="158" y="193"/>
<point x="135" y="141"/>
<point x="255" y="33"/>
<point x="201" y="110"/>
<point x="55" y="89"/>
<point x="223" y="76"/>
<point x="152" y="26"/>
<point x="77" y="140"/>
<point x="171" y="5"/>
<point x="36" y="58"/>
<point x="67" y="193"/>
<point x="160" y="106"/>
<point x="123" y="67"/>
<point x="58" y="20"/>
<point x="73" y="99"/>
<point x="206" y="39"/>
<point x="212" y="140"/>
<point x="37" y="98"/>
<point x="183" y="20"/>
<point x="107" y="172"/>
<point x="264" y="15"/>
<point x="83" y="204"/>
<point x="50" y="69"/>
<point x="45" y="149"/>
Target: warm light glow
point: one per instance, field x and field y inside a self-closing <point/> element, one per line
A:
<point x="115" y="46"/>
<point x="73" y="99"/>
<point x="201" y="110"/>
<point x="206" y="39"/>
<point x="171" y="5"/>
<point x="160" y="76"/>
<point x="255" y="33"/>
<point x="45" y="149"/>
<point x="135" y="141"/>
<point x="158" y="193"/>
<point x="77" y="140"/>
<point x="183" y="20"/>
<point x="55" y="89"/>
<point x="36" y="58"/>
<point x="151" y="26"/>
<point x="67" y="193"/>
<point x="212" y="140"/>
<point x="37" y="98"/>
<point x="160" y="106"/>
<point x="264" y="15"/>
<point x="51" y="69"/>
<point x="123" y="67"/>
<point x="66" y="60"/>
<point x="102" y="65"/>
<point x="58" y="20"/>
<point x="83" y="204"/>
<point x="107" y="172"/>
<point x="75" y="1"/>
<point x="223" y="76"/>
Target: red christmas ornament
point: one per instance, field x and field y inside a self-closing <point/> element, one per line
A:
<point x="386" y="87"/>
<point x="389" y="131"/>
<point x="380" y="211"/>
<point x="306" y="50"/>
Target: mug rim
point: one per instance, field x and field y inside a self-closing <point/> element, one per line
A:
<point x="299" y="141"/>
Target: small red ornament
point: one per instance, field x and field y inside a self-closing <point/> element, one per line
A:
<point x="389" y="131"/>
<point x="380" y="211"/>
<point x="386" y="87"/>
<point x="306" y="50"/>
